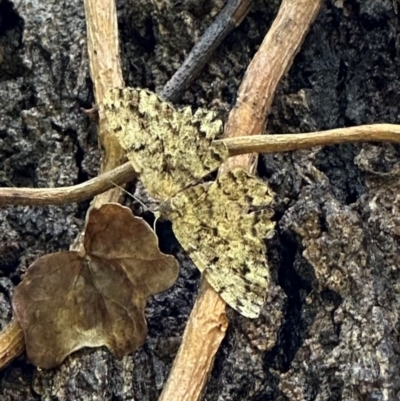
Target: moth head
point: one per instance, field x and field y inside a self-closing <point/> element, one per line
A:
<point x="170" y="208"/>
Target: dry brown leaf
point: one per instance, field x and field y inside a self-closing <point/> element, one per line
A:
<point x="69" y="300"/>
<point x="222" y="226"/>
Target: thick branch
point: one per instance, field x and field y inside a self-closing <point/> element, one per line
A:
<point x="106" y="73"/>
<point x="203" y="335"/>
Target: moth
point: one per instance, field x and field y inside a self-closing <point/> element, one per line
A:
<point x="222" y="224"/>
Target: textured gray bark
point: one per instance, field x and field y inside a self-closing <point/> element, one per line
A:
<point x="330" y="326"/>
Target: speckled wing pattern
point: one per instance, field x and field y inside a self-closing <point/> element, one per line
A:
<point x="170" y="149"/>
<point x="222" y="226"/>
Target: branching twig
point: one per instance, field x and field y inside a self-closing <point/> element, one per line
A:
<point x="207" y="323"/>
<point x="77" y="193"/>
<point x="229" y="18"/>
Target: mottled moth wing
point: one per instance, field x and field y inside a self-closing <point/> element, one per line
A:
<point x="222" y="227"/>
<point x="170" y="149"/>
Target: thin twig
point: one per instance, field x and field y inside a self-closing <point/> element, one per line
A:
<point x="76" y="193"/>
<point x="207" y="322"/>
<point x="228" y="19"/>
<point x="236" y="146"/>
<point x="289" y="142"/>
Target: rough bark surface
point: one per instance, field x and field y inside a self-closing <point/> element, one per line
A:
<point x="329" y="330"/>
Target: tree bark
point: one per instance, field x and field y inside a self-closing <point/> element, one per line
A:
<point x="334" y="257"/>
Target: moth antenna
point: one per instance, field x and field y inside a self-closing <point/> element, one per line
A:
<point x="131" y="195"/>
<point x="157" y="215"/>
